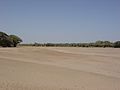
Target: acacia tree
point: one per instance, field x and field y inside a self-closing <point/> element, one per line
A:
<point x="15" y="39"/>
<point x="9" y="40"/>
<point x="5" y="40"/>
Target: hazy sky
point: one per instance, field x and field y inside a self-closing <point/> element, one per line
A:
<point x="61" y="20"/>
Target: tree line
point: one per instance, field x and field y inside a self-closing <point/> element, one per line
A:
<point x="9" y="40"/>
<point x="94" y="44"/>
<point x="13" y="40"/>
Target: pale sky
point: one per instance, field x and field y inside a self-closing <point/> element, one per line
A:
<point x="61" y="20"/>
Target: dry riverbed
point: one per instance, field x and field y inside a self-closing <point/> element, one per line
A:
<point x="61" y="68"/>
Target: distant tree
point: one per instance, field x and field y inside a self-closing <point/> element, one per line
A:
<point x="36" y="44"/>
<point x="116" y="44"/>
<point x="103" y="44"/>
<point x="99" y="44"/>
<point x="15" y="40"/>
<point x="107" y="44"/>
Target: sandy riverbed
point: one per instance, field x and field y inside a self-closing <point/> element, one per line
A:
<point x="62" y="68"/>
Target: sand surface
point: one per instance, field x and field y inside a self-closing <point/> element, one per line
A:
<point x="62" y="68"/>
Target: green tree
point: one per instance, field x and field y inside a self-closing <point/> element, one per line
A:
<point x="107" y="44"/>
<point x="99" y="44"/>
<point x="5" y="40"/>
<point x="117" y="44"/>
<point x="15" y="39"/>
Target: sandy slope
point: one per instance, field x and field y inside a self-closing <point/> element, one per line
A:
<point x="35" y="68"/>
